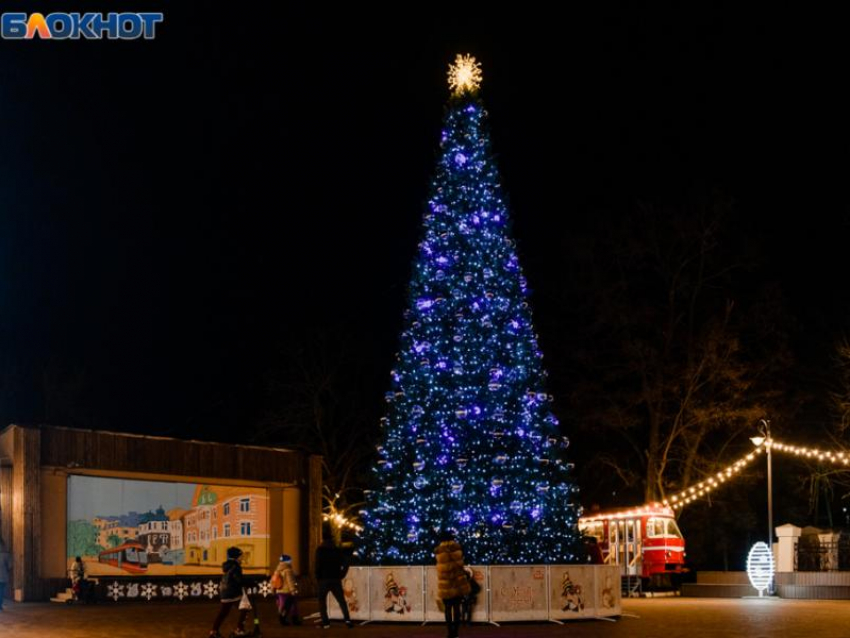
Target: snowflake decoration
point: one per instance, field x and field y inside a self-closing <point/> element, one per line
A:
<point x="181" y="590"/>
<point x="115" y="591"/>
<point x="266" y="588"/>
<point x="464" y="75"/>
<point x="148" y="591"/>
<point x="211" y="589"/>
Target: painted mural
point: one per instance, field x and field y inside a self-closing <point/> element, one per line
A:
<point x="150" y="528"/>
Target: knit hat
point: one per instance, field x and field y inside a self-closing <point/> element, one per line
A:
<point x="233" y="552"/>
<point x="446" y="535"/>
<point x="285" y="558"/>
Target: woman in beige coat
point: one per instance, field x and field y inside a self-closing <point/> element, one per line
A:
<point x="452" y="584"/>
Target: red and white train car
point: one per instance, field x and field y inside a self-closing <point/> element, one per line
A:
<point x="644" y="541"/>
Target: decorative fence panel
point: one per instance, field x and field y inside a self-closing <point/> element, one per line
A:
<point x="508" y="593"/>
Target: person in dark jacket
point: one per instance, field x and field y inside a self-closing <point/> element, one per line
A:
<point x="331" y="568"/>
<point x="230" y="592"/>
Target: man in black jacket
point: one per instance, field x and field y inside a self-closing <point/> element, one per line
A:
<point x="331" y="568"/>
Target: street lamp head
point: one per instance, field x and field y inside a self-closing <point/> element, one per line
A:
<point x="757" y="440"/>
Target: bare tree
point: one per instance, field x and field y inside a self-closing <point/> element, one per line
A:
<point x="317" y="403"/>
<point x="674" y="368"/>
<point x="841" y="394"/>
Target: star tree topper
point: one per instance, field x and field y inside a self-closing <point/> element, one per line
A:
<point x="464" y="75"/>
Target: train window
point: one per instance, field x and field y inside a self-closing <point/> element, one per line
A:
<point x="595" y="528"/>
<point x="665" y="527"/>
<point x="673" y="529"/>
<point x="655" y="527"/>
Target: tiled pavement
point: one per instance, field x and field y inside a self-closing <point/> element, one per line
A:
<point x="655" y="618"/>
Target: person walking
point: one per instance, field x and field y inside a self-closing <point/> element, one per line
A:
<point x="452" y="583"/>
<point x="232" y="583"/>
<point x="331" y="568"/>
<point x="286" y="588"/>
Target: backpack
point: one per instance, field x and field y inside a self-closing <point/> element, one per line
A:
<point x="228" y="578"/>
<point x="277" y="580"/>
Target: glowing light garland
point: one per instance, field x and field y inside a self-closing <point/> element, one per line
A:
<point x="652" y="509"/>
<point x="703" y="488"/>
<point x="340" y="522"/>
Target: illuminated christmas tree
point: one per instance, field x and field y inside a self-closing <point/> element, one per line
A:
<point x="469" y="442"/>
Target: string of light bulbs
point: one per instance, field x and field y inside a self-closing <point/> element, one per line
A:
<point x="678" y="500"/>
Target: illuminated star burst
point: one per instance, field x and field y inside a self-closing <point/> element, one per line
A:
<point x="464" y="75"/>
<point x="266" y="588"/>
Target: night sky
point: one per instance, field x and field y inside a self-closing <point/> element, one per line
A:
<point x="171" y="211"/>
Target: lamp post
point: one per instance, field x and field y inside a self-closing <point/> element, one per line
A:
<point x="764" y="438"/>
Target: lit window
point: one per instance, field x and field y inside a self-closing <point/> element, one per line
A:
<point x="595" y="528"/>
<point x="673" y="529"/>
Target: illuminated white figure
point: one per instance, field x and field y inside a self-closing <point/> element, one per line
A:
<point x="760" y="567"/>
<point x="464" y="74"/>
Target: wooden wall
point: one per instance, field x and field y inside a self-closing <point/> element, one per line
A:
<point x="63" y="447"/>
<point x="26" y="514"/>
<point x="34" y="450"/>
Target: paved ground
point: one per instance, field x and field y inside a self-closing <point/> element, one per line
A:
<point x="653" y="618"/>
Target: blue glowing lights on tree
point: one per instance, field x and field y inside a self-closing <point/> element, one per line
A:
<point x="469" y="442"/>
